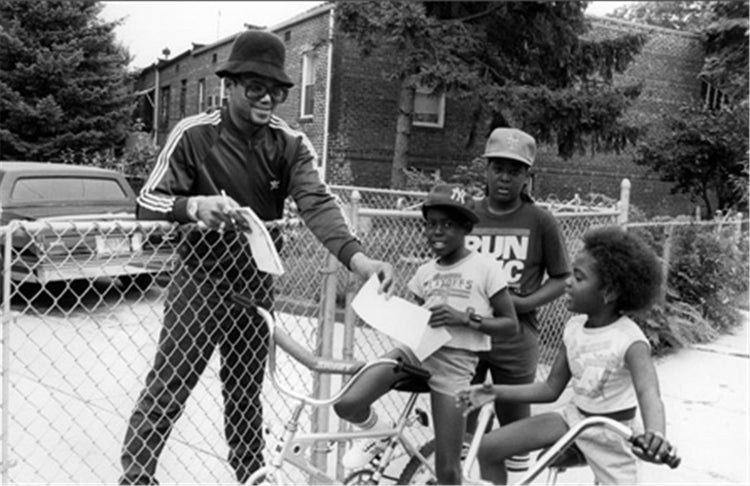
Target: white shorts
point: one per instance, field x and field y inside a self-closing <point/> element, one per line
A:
<point x="451" y="368"/>
<point x="607" y="453"/>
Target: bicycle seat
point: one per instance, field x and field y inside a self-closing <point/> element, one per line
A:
<point x="570" y="457"/>
<point x="415" y="382"/>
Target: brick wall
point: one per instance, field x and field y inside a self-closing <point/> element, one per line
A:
<point x="363" y="111"/>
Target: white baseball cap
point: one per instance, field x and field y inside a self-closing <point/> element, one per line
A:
<point x="511" y="143"/>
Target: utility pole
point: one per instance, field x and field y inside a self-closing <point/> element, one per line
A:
<point x="218" y="23"/>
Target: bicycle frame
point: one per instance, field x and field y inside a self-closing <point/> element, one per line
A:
<point x="553" y="452"/>
<point x="292" y="446"/>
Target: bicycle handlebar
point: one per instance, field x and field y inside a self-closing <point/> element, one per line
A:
<point x="672" y="460"/>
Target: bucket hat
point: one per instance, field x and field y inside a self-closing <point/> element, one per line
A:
<point x="259" y="52"/>
<point x="511" y="143"/>
<point x="450" y="196"/>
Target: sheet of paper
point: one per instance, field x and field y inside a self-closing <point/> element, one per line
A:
<point x="400" y="319"/>
<point x="261" y="243"/>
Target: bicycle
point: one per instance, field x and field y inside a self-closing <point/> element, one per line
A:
<point x="419" y="469"/>
<point x="292" y="444"/>
<point x="558" y="457"/>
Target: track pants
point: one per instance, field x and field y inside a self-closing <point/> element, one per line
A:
<point x="199" y="317"/>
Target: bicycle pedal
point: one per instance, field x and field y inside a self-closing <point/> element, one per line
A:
<point x="422" y="418"/>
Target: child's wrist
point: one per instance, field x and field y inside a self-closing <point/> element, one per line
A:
<point x="472" y="319"/>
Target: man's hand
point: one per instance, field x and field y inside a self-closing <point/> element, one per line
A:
<point x="218" y="212"/>
<point x="475" y="396"/>
<point x="366" y="267"/>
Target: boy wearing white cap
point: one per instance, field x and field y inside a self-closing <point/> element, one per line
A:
<point x="527" y="241"/>
<point x="468" y="296"/>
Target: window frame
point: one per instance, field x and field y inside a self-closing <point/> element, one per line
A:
<point x="440" y="111"/>
<point x="307" y="85"/>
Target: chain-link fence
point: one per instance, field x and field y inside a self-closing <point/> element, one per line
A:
<point x="84" y="308"/>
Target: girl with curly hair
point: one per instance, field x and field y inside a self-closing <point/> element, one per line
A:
<point x="607" y="359"/>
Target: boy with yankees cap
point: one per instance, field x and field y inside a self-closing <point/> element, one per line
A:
<point x="468" y="296"/>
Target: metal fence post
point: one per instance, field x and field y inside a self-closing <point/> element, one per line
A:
<point x="322" y="381"/>
<point x="665" y="258"/>
<point x="5" y="462"/>
<point x="349" y="321"/>
<point x="624" y="204"/>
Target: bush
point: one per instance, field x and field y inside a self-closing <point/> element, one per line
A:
<point x="674" y="324"/>
<point x="708" y="269"/>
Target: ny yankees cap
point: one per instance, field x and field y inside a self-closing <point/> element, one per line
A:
<point x="511" y="143"/>
<point x="450" y="196"/>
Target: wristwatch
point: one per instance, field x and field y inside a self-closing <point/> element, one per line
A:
<point x="474" y="320"/>
<point x="192" y="208"/>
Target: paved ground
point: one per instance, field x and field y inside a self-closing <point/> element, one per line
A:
<point x="68" y="406"/>
<point x="705" y="392"/>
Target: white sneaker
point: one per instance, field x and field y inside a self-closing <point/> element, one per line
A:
<point x="362" y="451"/>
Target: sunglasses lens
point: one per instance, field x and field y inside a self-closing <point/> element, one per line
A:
<point x="279" y="94"/>
<point x="256" y="91"/>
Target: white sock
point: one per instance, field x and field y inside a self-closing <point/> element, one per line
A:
<point x="370" y="422"/>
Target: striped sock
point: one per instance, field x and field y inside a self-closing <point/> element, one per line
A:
<point x="518" y="463"/>
<point x="369" y="422"/>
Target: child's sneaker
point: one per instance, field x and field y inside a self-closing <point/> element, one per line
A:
<point x="363" y="451"/>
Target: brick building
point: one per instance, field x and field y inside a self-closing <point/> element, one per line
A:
<point x="349" y="111"/>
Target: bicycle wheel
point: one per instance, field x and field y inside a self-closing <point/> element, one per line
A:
<point x="363" y="476"/>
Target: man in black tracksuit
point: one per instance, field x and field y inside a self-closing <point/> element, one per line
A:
<point x="212" y="163"/>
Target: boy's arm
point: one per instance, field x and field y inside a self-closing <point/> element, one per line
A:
<point x="651" y="445"/>
<point x="551" y="289"/>
<point x="539" y="392"/>
<point x="504" y="321"/>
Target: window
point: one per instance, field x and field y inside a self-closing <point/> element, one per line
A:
<point x="214" y="58"/>
<point x="307" y="99"/>
<point x="713" y="98"/>
<point x="201" y="95"/>
<point x="429" y="108"/>
<point x="183" y="97"/>
<point x="287" y="35"/>
<point x="224" y="100"/>
<point x="164" y="108"/>
<point x="59" y="189"/>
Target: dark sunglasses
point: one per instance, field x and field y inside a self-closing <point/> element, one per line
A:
<point x="256" y="89"/>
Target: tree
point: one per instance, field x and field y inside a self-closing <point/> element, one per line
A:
<point x="726" y="39"/>
<point x="62" y="80"/>
<point x="704" y="153"/>
<point x="529" y="61"/>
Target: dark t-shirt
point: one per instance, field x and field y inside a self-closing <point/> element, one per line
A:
<point x="527" y="241"/>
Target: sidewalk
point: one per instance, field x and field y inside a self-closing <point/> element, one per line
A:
<point x="705" y="392"/>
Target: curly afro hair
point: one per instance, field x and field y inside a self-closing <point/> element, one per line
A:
<point x="625" y="264"/>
